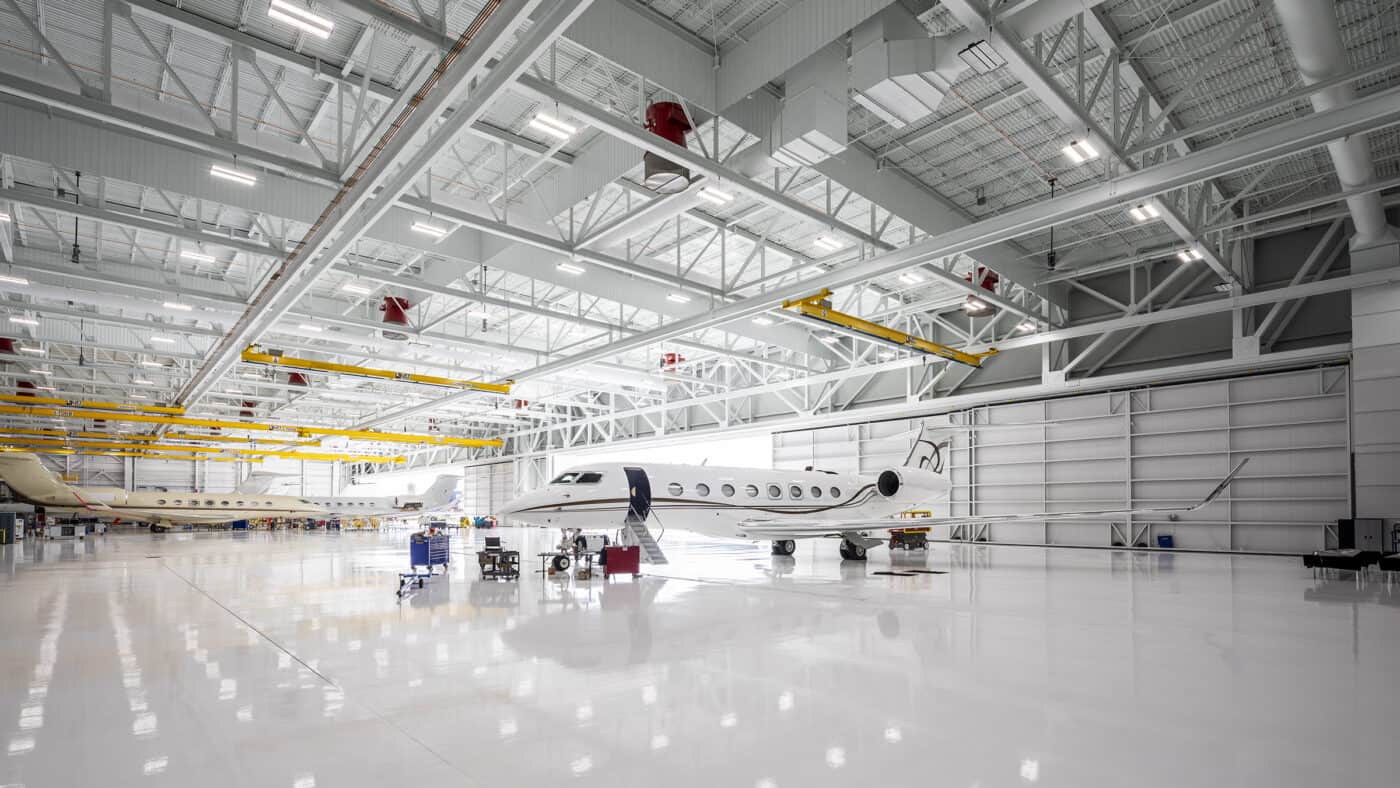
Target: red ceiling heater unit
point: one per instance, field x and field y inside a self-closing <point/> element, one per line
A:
<point x="667" y="120"/>
<point x="297" y="379"/>
<point x="395" y="309"/>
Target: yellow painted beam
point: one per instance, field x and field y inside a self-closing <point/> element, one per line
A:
<point x="67" y="434"/>
<point x="253" y="355"/>
<point x="302" y="431"/>
<point x="40" y="443"/>
<point x="80" y="403"/>
<point x="195" y="436"/>
<point x="817" y="307"/>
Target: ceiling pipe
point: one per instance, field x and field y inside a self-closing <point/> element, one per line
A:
<point x="1316" y="40"/>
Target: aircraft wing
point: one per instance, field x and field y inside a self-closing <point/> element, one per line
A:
<point x="792" y="528"/>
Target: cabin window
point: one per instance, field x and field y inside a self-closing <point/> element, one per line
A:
<point x="208" y="503"/>
<point x="702" y="489"/>
<point x="589" y="477"/>
<point x="160" y="502"/>
<point x="267" y="503"/>
<point x="565" y="478"/>
<point x="775" y="492"/>
<point x="795" y="491"/>
<point x="751" y="490"/>
<point x="816" y="491"/>
<point x="835" y="492"/>
<point x="179" y="501"/>
<point x="728" y="490"/>
<point x="675" y="488"/>
<point x="238" y="503"/>
<point x="223" y="503"/>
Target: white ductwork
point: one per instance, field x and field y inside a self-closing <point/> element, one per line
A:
<point x="1316" y="39"/>
<point x="900" y="73"/>
<point x="812" y="124"/>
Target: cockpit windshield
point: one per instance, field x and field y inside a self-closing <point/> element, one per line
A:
<point x="578" y="477"/>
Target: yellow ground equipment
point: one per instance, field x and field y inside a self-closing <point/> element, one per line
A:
<point x="817" y="307"/>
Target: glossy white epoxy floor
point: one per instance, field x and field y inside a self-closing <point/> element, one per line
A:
<point x="286" y="660"/>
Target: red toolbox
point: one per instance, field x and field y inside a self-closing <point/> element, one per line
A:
<point x="622" y="561"/>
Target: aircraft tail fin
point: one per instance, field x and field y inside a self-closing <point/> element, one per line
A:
<point x="28" y="479"/>
<point x="440" y="493"/>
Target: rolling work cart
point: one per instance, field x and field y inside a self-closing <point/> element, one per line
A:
<point x="427" y="550"/>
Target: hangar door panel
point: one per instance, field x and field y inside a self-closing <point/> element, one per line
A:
<point x="1155" y="446"/>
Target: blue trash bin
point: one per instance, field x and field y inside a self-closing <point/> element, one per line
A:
<point x="1164" y="540"/>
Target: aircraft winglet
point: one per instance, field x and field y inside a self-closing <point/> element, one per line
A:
<point x="1220" y="488"/>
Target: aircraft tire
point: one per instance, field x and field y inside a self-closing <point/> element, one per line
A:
<point x="561" y="563"/>
<point x="852" y="552"/>
<point x="784" y="547"/>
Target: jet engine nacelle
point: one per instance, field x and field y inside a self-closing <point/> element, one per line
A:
<point x="910" y="486"/>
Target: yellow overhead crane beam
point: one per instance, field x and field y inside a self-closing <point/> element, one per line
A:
<point x="195" y="436"/>
<point x="98" y="453"/>
<point x="196" y="452"/>
<point x="253" y="355"/>
<point x="79" y="403"/>
<point x="304" y="432"/>
<point x="817" y="307"/>
<point x="67" y="434"/>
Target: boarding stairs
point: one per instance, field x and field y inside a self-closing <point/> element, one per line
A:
<point x="635" y="532"/>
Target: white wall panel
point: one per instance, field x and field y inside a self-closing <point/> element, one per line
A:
<point x="1155" y="446"/>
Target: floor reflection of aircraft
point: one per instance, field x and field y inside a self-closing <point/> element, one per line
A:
<point x="777" y="505"/>
<point x="34" y="484"/>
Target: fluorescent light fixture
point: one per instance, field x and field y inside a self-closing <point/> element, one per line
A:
<point x="143" y="382"/>
<point x="715" y="196"/>
<point x="554" y="127"/>
<point x="1189" y="255"/>
<point x="1026" y="325"/>
<point x="24" y="321"/>
<point x="46" y="388"/>
<point x="478" y="314"/>
<point x="13" y="280"/>
<point x="829" y="338"/>
<point x="981" y="58"/>
<point x="156" y="364"/>
<point x="1080" y="151"/>
<point x="309" y="327"/>
<point x="38" y="351"/>
<point x="1144" y="212"/>
<point x="828" y="243"/>
<point x="230" y="174"/>
<point x="430" y="229"/>
<point x="199" y="257"/>
<point x="298" y="17"/>
<point x="763" y="321"/>
<point x="976" y="306"/>
<point x="910" y="279"/>
<point x="163" y="340"/>
<point x="177" y="306"/>
<point x="356" y="289"/>
<point x="41" y="372"/>
<point x="4" y="217"/>
<point x="679" y="298"/>
<point x="570" y="268"/>
<point x="232" y="391"/>
<point x="137" y="396"/>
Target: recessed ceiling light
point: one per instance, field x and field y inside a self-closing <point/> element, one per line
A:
<point x="356" y="289"/>
<point x="24" y="321"/>
<point x="679" y="298"/>
<point x="828" y="243"/>
<point x="1144" y="212"/>
<point x="163" y="340"/>
<point x="763" y="321"/>
<point x="230" y="174"/>
<point x="38" y="351"/>
<point x="554" y="127"/>
<point x="712" y="195"/>
<point x="430" y="229"/>
<point x="300" y="18"/>
<point x="199" y="257"/>
<point x="1080" y="151"/>
<point x="910" y="279"/>
<point x="570" y="268"/>
<point x="177" y="306"/>
<point x="1189" y="255"/>
<point x="13" y="280"/>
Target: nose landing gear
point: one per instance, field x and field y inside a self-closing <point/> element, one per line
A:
<point x="850" y="551"/>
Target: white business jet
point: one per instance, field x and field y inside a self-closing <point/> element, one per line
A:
<point x="777" y="505"/>
<point x="34" y="484"/>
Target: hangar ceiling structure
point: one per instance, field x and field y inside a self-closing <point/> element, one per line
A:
<point x="179" y="180"/>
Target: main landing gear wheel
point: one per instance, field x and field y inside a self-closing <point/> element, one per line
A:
<point x="784" y="547"/>
<point x="851" y="551"/>
<point x="561" y="563"/>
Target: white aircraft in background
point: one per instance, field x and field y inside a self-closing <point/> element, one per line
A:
<point x="781" y="506"/>
<point x="34" y="484"/>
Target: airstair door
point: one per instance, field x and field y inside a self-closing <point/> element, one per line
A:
<point x="638" y="494"/>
